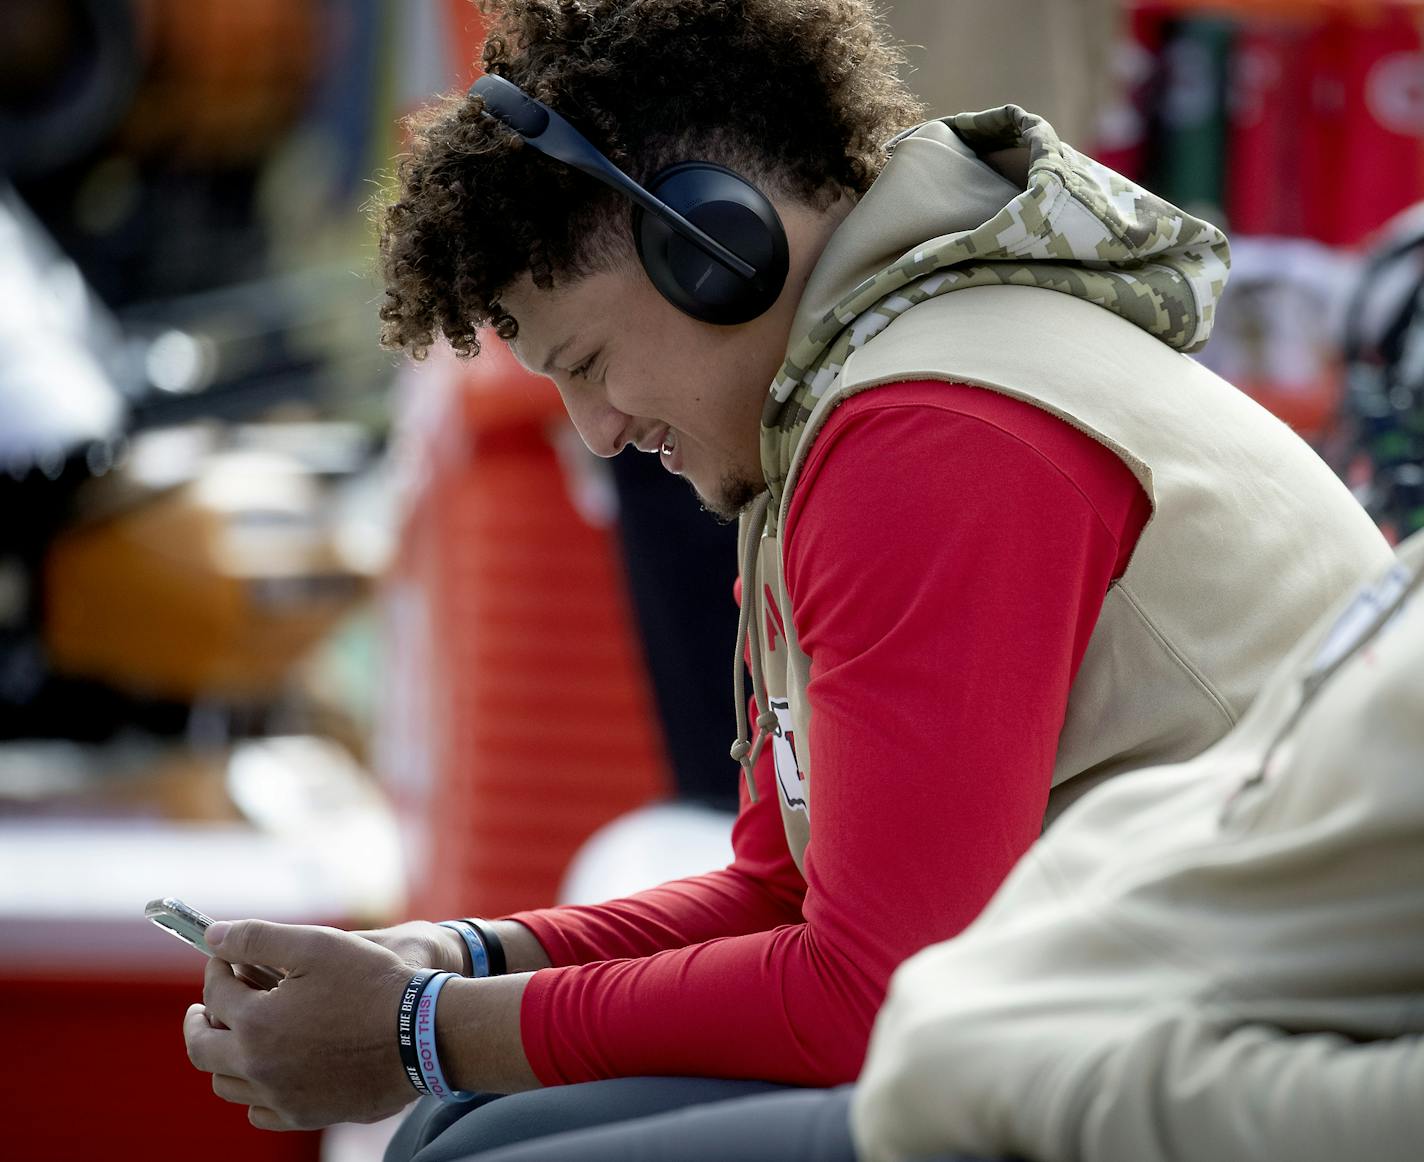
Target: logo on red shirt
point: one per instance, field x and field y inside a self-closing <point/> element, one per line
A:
<point x="783" y="750"/>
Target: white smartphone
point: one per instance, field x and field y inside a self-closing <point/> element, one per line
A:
<point x="189" y="925"/>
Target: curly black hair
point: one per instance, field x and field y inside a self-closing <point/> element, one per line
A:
<point x="799" y="96"/>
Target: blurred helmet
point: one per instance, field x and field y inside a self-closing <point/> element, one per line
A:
<point x="68" y="69"/>
<point x="1384" y="370"/>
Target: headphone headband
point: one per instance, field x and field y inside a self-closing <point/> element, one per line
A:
<point x="550" y="134"/>
<point x="756" y="283"/>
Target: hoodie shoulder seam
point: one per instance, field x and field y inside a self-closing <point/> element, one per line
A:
<point x="1176" y="655"/>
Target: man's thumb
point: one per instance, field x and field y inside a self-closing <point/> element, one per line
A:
<point x="255" y="942"/>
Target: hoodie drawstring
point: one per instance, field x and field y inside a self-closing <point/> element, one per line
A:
<point x="749" y="642"/>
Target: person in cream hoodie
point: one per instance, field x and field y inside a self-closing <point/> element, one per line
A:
<point x="1218" y="959"/>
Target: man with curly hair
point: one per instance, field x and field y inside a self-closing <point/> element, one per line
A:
<point x="1000" y="540"/>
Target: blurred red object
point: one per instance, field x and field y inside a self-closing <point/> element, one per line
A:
<point x="1270" y="85"/>
<point x="519" y="719"/>
<point x="1365" y="123"/>
<point x="144" y="1101"/>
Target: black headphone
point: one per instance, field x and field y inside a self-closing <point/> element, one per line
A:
<point x="710" y="241"/>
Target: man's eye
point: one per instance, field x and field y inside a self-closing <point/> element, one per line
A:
<point x="582" y="370"/>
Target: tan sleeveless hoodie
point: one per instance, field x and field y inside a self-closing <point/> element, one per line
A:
<point x="1073" y="290"/>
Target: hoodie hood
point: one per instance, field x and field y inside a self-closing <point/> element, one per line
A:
<point x="990" y="198"/>
<point x="977" y="199"/>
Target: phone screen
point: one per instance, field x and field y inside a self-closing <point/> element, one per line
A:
<point x="188" y="924"/>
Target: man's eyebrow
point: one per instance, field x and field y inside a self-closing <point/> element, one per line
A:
<point x="548" y="367"/>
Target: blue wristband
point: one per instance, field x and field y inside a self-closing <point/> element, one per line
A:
<point x="479" y="958"/>
<point x="429" y="1059"/>
<point x="494" y="946"/>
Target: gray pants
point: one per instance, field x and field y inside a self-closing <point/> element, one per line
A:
<point x="640" y="1119"/>
<point x="793" y="1125"/>
<point x="441" y="1132"/>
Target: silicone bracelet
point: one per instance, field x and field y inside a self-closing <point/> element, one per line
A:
<point x="474" y="947"/>
<point x="430" y="1071"/>
<point x="494" y="946"/>
<point x="405" y="1027"/>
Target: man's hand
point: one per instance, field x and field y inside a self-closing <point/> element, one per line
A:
<point x="317" y="1049"/>
<point x="422" y="944"/>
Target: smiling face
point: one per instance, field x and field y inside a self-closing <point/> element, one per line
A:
<point x="633" y="369"/>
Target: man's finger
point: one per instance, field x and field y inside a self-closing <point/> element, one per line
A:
<point x="285" y="946"/>
<point x="237" y="1090"/>
<point x="206" y="1044"/>
<point x="223" y="993"/>
<point x="266" y="1119"/>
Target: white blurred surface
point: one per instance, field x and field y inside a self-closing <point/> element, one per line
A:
<point x="77" y="890"/>
<point x="320" y="845"/>
<point x="648" y="847"/>
<point x="350" y="1142"/>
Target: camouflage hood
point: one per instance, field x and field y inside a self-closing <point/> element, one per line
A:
<point x="988" y="199"/>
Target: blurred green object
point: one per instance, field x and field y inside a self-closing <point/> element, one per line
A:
<point x="1190" y="156"/>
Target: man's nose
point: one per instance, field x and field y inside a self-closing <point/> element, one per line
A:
<point x="600" y="425"/>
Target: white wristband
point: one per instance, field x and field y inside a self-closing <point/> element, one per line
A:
<point x="426" y="1055"/>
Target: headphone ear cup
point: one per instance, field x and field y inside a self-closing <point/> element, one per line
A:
<point x="736" y="214"/>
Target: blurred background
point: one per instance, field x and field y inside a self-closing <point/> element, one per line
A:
<point x="290" y="627"/>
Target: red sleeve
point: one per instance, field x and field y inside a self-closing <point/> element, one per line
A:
<point x="947" y="553"/>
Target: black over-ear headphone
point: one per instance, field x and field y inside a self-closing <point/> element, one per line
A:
<point x="710" y="241"/>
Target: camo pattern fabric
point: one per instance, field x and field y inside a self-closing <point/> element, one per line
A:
<point x="1078" y="228"/>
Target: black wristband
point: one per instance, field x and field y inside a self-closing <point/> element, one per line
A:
<point x="405" y="1027"/>
<point x="494" y="947"/>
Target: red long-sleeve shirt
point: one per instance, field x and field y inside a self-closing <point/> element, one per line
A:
<point x="947" y="553"/>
